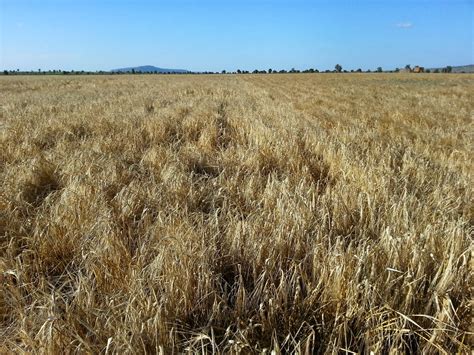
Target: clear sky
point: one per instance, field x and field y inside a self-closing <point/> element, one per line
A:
<point x="229" y="34"/>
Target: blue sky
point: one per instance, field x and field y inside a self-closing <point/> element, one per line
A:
<point x="228" y="34"/>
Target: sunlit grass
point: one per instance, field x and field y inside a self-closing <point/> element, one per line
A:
<point x="295" y="213"/>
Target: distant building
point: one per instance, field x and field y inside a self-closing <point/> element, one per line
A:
<point x="416" y="69"/>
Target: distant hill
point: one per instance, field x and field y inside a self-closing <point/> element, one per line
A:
<point x="459" y="69"/>
<point x="149" y="69"/>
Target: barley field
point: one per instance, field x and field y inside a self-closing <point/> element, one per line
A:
<point x="296" y="213"/>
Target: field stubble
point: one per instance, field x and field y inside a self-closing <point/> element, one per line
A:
<point x="307" y="213"/>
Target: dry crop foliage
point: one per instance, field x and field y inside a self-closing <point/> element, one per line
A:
<point x="296" y="213"/>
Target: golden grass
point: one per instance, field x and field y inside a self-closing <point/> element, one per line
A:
<point x="295" y="213"/>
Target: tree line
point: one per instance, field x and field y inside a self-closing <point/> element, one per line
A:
<point x="337" y="69"/>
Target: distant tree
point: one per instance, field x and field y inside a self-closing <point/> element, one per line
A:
<point x="255" y="71"/>
<point x="379" y="70"/>
<point x="338" y="68"/>
<point x="133" y="71"/>
<point x="283" y="71"/>
<point x="239" y="71"/>
<point x="293" y="70"/>
<point x="369" y="71"/>
<point x="436" y="70"/>
<point x="408" y="67"/>
<point x="427" y="71"/>
<point x="359" y="70"/>
<point x="397" y="70"/>
<point x="270" y="71"/>
<point x="223" y="72"/>
<point x="449" y="69"/>
<point x="5" y="72"/>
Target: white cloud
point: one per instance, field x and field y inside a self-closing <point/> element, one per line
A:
<point x="404" y="25"/>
